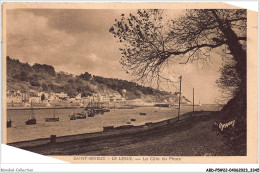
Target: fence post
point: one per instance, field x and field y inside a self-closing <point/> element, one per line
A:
<point x="53" y="139"/>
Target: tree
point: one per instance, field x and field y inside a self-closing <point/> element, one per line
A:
<point x="86" y="76"/>
<point x="45" y="87"/>
<point x="229" y="80"/>
<point x="42" y="97"/>
<point x="150" y="40"/>
<point x="33" y="79"/>
<point x="24" y="76"/>
<point x="44" y="68"/>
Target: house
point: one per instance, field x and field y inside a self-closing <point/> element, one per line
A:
<point x="34" y="99"/>
<point x="105" y="98"/>
<point x="123" y="92"/>
<point x="71" y="100"/>
<point x="78" y="98"/>
<point x="116" y="97"/>
<point x="62" y="96"/>
<point x="14" y="97"/>
<point x="52" y="97"/>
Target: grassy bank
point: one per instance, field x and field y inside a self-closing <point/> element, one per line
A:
<point x="191" y="137"/>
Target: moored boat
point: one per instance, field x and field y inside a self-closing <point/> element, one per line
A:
<point x="31" y="120"/>
<point x="99" y="111"/>
<point x="52" y="119"/>
<point x="81" y="115"/>
<point x="162" y="105"/>
<point x="73" y="117"/>
<point x="106" y="110"/>
<point x="91" y="114"/>
<point x="9" y="123"/>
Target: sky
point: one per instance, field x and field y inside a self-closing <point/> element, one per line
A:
<point x="78" y="41"/>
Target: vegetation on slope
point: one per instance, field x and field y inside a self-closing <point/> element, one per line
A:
<point x="42" y="77"/>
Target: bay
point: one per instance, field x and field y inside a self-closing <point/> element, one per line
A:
<point x="116" y="117"/>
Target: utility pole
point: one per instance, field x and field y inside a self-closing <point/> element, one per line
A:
<point x="179" y="110"/>
<point x="193" y="99"/>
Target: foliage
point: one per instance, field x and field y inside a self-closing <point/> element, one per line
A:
<point x="45" y="87"/>
<point x="22" y="76"/>
<point x="43" y="68"/>
<point x="85" y="76"/>
<point x="229" y="80"/>
<point x="150" y="40"/>
<point x="15" y="68"/>
<point x="42" y="97"/>
<point x="33" y="79"/>
<point x="118" y="85"/>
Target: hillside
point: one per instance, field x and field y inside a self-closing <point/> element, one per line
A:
<point x="42" y="77"/>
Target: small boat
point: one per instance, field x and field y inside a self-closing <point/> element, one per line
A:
<point x="106" y="110"/>
<point x="9" y="123"/>
<point x="142" y="113"/>
<point x="81" y="115"/>
<point x="99" y="111"/>
<point x="52" y="119"/>
<point x="73" y="117"/>
<point x="162" y="105"/>
<point x="97" y="107"/>
<point x="31" y="120"/>
<point x="92" y="108"/>
<point x="91" y="114"/>
<point x="107" y="107"/>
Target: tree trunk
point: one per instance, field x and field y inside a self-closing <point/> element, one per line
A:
<point x="236" y="108"/>
<point x="239" y="55"/>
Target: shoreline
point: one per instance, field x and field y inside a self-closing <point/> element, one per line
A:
<point x="111" y="107"/>
<point x="108" y="132"/>
<point x="39" y="108"/>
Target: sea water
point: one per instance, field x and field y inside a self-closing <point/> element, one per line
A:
<point x="116" y="117"/>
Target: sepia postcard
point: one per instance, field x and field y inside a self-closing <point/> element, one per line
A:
<point x="131" y="82"/>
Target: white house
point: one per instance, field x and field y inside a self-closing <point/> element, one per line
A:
<point x="78" y="97"/>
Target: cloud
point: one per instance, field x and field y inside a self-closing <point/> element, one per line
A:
<point x="79" y="21"/>
<point x="78" y="41"/>
<point x="30" y="39"/>
<point x="72" y="40"/>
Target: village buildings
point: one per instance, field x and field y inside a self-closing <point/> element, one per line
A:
<point x="51" y="97"/>
<point x="32" y="96"/>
